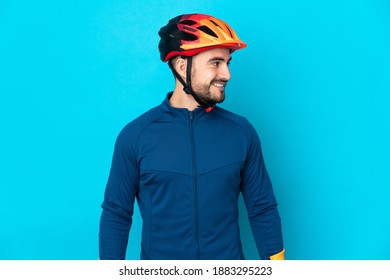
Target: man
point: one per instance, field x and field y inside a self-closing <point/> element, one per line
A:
<point x="187" y="160"/>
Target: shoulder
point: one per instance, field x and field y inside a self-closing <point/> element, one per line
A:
<point x="143" y="120"/>
<point x="236" y="119"/>
<point x="133" y="129"/>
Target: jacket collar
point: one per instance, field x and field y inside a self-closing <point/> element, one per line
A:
<point x="182" y="113"/>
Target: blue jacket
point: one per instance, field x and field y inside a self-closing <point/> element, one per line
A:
<point x="186" y="170"/>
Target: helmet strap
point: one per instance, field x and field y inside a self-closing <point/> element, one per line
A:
<point x="187" y="85"/>
<point x="187" y="88"/>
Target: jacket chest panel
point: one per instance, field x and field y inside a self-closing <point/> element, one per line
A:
<point x="180" y="148"/>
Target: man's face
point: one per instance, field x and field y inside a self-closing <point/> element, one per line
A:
<point x="210" y="74"/>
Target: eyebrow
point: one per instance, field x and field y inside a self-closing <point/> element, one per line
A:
<point x="217" y="58"/>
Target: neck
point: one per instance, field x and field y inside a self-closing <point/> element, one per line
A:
<point x="180" y="99"/>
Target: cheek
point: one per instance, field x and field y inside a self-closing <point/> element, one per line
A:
<point x="208" y="78"/>
<point x="202" y="80"/>
<point x="204" y="77"/>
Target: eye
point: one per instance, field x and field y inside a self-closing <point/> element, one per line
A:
<point x="219" y="62"/>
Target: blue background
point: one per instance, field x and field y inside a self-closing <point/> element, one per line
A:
<point x="314" y="81"/>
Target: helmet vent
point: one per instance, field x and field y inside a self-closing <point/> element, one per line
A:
<point x="185" y="36"/>
<point x="207" y="30"/>
<point x="189" y="28"/>
<point x="188" y="22"/>
<point x="230" y="32"/>
<point x="216" y="24"/>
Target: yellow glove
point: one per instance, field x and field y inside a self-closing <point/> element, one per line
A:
<point x="277" y="257"/>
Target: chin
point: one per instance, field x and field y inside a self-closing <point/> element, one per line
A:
<point x="221" y="98"/>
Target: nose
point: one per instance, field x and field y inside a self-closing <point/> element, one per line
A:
<point x="225" y="72"/>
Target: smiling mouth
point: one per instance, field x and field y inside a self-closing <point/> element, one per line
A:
<point x="221" y="85"/>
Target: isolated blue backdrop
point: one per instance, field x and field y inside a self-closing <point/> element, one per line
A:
<point x="314" y="81"/>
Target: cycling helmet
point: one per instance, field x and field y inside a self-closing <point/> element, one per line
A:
<point x="190" y="34"/>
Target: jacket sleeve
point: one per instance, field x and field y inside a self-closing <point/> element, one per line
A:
<point x="260" y="201"/>
<point x="118" y="204"/>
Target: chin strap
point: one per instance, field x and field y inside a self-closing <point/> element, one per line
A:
<point x="187" y="86"/>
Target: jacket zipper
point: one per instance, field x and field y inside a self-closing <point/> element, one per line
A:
<point x="194" y="185"/>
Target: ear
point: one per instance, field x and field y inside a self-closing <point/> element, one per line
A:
<point x="180" y="65"/>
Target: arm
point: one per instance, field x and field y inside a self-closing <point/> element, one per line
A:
<point x="261" y="203"/>
<point x="118" y="204"/>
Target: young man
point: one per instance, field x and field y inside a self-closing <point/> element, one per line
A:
<point x="187" y="160"/>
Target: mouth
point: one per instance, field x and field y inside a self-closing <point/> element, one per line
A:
<point x="219" y="84"/>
